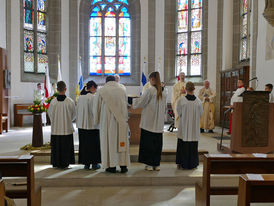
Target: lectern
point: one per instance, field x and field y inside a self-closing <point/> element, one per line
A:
<point x="253" y="124"/>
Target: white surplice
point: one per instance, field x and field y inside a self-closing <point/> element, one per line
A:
<point x="153" y="110"/>
<point x="110" y="111"/>
<point x="189" y="121"/>
<point x="146" y="86"/>
<point x="84" y="112"/>
<point x="236" y="96"/>
<point x="61" y="114"/>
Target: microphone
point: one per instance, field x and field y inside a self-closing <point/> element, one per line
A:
<point x="253" y="79"/>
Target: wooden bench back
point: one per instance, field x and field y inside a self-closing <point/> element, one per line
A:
<point x="2" y="193"/>
<point x="19" y="166"/>
<point x="236" y="164"/>
<point x="20" y="107"/>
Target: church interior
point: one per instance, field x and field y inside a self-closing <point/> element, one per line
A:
<point x="214" y="42"/>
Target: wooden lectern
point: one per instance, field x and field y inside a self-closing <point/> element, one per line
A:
<point x="253" y="124"/>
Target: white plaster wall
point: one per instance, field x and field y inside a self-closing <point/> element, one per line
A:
<point x="264" y="69"/>
<point x="227" y="33"/>
<point x="20" y="92"/>
<point x="212" y="42"/>
<point x="160" y="37"/>
<point x="3" y="24"/>
<point x="65" y="42"/>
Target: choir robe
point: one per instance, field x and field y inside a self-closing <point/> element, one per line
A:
<point x="271" y="98"/>
<point x="146" y="86"/>
<point x="152" y="125"/>
<point x="189" y="109"/>
<point x="236" y="97"/>
<point x="110" y="111"/>
<point x="89" y="139"/>
<point x="176" y="95"/>
<point x="207" y="119"/>
<point x="61" y="113"/>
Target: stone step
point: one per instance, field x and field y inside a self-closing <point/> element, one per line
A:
<point x="43" y="156"/>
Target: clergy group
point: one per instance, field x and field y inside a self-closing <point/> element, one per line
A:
<point x="102" y="120"/>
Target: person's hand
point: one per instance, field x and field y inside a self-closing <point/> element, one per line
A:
<point x="207" y="99"/>
<point x="183" y="90"/>
<point x="231" y="106"/>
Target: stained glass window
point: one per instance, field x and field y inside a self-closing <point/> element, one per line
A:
<point x="110" y="38"/>
<point x="244" y="31"/>
<point x="189" y="37"/>
<point x="35" y="35"/>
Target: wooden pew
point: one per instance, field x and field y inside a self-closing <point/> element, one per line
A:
<point x="21" y="166"/>
<point x="2" y="193"/>
<point x="20" y="110"/>
<point x="252" y="190"/>
<point x="229" y="164"/>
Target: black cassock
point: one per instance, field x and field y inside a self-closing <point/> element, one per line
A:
<point x="89" y="146"/>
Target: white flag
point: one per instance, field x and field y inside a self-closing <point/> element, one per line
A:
<point x="59" y="77"/>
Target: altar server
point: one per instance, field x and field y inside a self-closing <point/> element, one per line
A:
<point x="237" y="97"/>
<point x="153" y="103"/>
<point x="189" y="109"/>
<point x="269" y="88"/>
<point x="110" y="111"/>
<point x="178" y="91"/>
<point x="89" y="140"/>
<point x="62" y="113"/>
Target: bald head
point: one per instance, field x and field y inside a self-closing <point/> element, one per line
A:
<point x="206" y="84"/>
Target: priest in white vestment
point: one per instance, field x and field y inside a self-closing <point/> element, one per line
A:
<point x="88" y="131"/>
<point x="236" y="98"/>
<point x="153" y="104"/>
<point x="178" y="91"/>
<point x="207" y="96"/>
<point x="39" y="95"/>
<point x="269" y="88"/>
<point x="190" y="109"/>
<point x="61" y="113"/>
<point x="110" y="111"/>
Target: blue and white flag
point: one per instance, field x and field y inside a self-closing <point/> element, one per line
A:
<point x="144" y="76"/>
<point x="80" y="81"/>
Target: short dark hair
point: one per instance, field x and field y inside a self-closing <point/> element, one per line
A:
<point x="91" y="84"/>
<point x="190" y="87"/>
<point x="61" y="86"/>
<point x="241" y="80"/>
<point x="110" y="78"/>
<point x="38" y="84"/>
<point x="270" y="86"/>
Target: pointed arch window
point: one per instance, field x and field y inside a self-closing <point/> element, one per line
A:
<point x="110" y="38"/>
<point x="189" y="37"/>
<point x="244" y="31"/>
<point x="35" y="35"/>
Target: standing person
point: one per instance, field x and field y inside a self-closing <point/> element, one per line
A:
<point x="236" y="98"/>
<point x="207" y="96"/>
<point x="117" y="79"/>
<point x="89" y="139"/>
<point x="153" y="103"/>
<point x="269" y="88"/>
<point x="178" y="91"/>
<point x="189" y="109"/>
<point x="61" y="113"/>
<point x="39" y="95"/>
<point x="110" y="111"/>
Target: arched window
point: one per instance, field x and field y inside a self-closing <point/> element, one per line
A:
<point x="35" y="35"/>
<point x="109" y="38"/>
<point x="244" y="30"/>
<point x="189" y="37"/>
